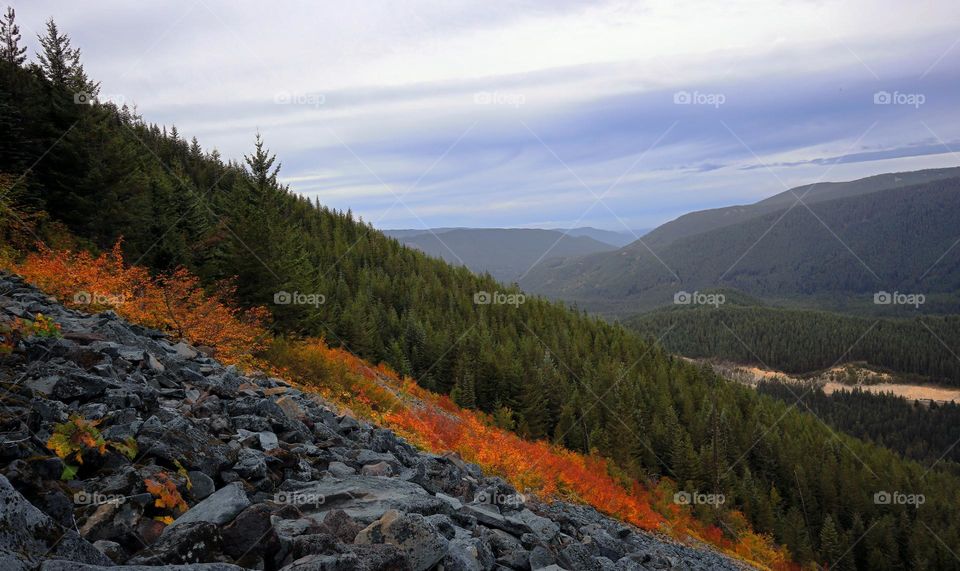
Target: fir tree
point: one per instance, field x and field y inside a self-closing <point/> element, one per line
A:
<point x="10" y="49"/>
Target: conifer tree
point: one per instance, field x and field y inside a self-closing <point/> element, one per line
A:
<point x="10" y="49"/>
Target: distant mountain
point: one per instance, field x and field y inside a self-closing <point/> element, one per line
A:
<point x="506" y="253"/>
<point x="706" y="220"/>
<point x="836" y="254"/>
<point x="618" y="239"/>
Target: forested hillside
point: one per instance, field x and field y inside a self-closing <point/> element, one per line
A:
<point x="802" y="341"/>
<point x="706" y="220"/>
<point x="102" y="173"/>
<point x="925" y="432"/>
<point x="834" y="254"/>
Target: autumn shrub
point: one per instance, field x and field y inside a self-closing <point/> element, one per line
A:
<point x="174" y="302"/>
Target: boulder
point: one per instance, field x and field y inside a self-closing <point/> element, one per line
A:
<point x="220" y="508"/>
<point x="192" y="542"/>
<point x="27" y="536"/>
<point x="422" y="543"/>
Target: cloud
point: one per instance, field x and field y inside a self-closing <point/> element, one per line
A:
<point x="500" y="115"/>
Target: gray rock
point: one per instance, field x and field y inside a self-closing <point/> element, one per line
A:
<point x="364" y="498"/>
<point x="191" y="542"/>
<point x="490" y="516"/>
<point x="111" y="549"/>
<point x="423" y="544"/>
<point x="220" y="508"/>
<point x="71" y="566"/>
<point x="268" y="441"/>
<point x="340" y="469"/>
<point x="27" y="535"/>
<point x="203" y="485"/>
<point x="380" y="469"/>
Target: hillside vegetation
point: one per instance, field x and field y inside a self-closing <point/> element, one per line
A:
<point x="802" y="341"/>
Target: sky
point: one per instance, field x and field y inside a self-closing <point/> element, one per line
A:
<point x="617" y="115"/>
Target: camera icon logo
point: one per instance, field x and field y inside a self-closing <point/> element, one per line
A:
<point x="83" y="298"/>
<point x="682" y="98"/>
<point x="882" y="298"/>
<point x="882" y="98"/>
<point x="83" y="98"/>
<point x="682" y="298"/>
<point x="882" y="498"/>
<point x="682" y="498"/>
<point x="482" y="298"/>
<point x="282" y="298"/>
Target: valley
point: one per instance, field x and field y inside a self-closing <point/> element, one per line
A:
<point x="840" y="378"/>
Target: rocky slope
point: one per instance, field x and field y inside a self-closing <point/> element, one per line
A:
<point x="274" y="477"/>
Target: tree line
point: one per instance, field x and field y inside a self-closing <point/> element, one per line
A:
<point x="802" y="341"/>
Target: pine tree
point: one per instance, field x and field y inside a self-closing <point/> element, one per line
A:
<point x="261" y="166"/>
<point x="59" y="61"/>
<point x="10" y="49"/>
<point x="830" y="547"/>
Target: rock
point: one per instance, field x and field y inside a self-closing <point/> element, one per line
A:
<point x="71" y="566"/>
<point x="111" y="549"/>
<point x="203" y="485"/>
<point x="541" y="558"/>
<point x="154" y="364"/>
<point x="184" y="351"/>
<point x="415" y="536"/>
<point x="27" y="535"/>
<point x="468" y="554"/>
<point x="220" y="508"/>
<point x="268" y="441"/>
<point x="340" y="469"/>
<point x="191" y="542"/>
<point x="250" y="536"/>
<point x="340" y="525"/>
<point x="364" y="498"/>
<point x="544" y="529"/>
<point x="380" y="469"/>
<point x="490" y="516"/>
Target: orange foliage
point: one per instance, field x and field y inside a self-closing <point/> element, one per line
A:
<point x="165" y="492"/>
<point x="174" y="302"/>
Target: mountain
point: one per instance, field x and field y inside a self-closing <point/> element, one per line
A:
<point x="618" y="239"/>
<point x="835" y="254"/>
<point x="705" y="220"/>
<point x="506" y="253"/>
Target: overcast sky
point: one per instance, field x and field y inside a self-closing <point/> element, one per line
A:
<point x="609" y="114"/>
